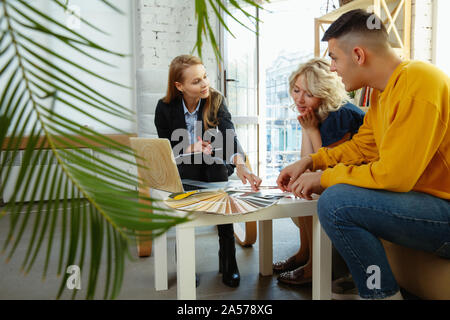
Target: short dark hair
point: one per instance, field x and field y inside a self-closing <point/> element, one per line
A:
<point x="356" y="21"/>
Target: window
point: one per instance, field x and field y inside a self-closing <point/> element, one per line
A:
<point x="441" y="26"/>
<point x="240" y="82"/>
<point x="257" y="71"/>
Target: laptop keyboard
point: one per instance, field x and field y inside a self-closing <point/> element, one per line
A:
<point x="189" y="187"/>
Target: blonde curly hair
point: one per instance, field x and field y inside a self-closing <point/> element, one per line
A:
<point x="320" y="82"/>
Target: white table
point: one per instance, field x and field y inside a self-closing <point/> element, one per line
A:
<point x="185" y="242"/>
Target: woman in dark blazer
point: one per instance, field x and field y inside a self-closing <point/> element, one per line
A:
<point x="195" y="119"/>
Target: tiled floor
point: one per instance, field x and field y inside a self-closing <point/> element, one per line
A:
<point x="138" y="280"/>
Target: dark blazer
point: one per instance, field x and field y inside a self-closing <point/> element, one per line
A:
<point x="169" y="117"/>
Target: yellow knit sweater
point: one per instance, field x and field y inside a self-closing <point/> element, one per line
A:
<point x="404" y="142"/>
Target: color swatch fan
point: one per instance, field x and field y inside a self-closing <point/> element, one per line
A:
<point x="229" y="202"/>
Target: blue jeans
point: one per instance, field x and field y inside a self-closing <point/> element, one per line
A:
<point x="355" y="218"/>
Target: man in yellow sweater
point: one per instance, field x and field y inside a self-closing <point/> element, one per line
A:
<point x="392" y="179"/>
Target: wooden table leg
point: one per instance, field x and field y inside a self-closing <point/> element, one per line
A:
<point x="185" y="263"/>
<point x="321" y="282"/>
<point x="265" y="248"/>
<point x="144" y="247"/>
<point x="246" y="237"/>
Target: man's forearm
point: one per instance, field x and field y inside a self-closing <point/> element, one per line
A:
<point x="307" y="162"/>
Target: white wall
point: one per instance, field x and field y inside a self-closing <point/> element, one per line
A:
<point x="119" y="39"/>
<point x="422" y="30"/>
<point x="430" y="27"/>
<point x="441" y="53"/>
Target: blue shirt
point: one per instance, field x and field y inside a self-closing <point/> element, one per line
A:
<point x="191" y="120"/>
<point x="191" y="124"/>
<point x="346" y="119"/>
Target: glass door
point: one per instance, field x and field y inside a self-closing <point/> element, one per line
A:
<point x="240" y="79"/>
<point x="240" y="87"/>
<point x="255" y="78"/>
<point x="286" y="40"/>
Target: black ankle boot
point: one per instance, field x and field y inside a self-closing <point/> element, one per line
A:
<point x="227" y="260"/>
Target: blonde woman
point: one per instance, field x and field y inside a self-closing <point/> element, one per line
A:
<point x="327" y="119"/>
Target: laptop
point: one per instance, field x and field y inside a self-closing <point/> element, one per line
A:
<point x="157" y="166"/>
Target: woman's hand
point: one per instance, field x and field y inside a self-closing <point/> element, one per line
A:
<point x="200" y="146"/>
<point x="245" y="175"/>
<point x="308" y="120"/>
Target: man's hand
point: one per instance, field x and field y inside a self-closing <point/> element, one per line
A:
<point x="290" y="174"/>
<point x="307" y="184"/>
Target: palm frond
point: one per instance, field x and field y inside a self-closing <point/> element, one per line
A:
<point x="67" y="8"/>
<point x="93" y="205"/>
<point x="204" y="28"/>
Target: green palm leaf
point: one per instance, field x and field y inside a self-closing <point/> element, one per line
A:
<point x="93" y="203"/>
<point x="204" y="28"/>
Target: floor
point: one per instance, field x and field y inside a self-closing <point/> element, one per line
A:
<point x="138" y="282"/>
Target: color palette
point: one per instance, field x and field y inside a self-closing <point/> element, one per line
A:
<point x="226" y="202"/>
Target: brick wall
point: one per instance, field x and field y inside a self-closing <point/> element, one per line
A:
<point x="165" y="29"/>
